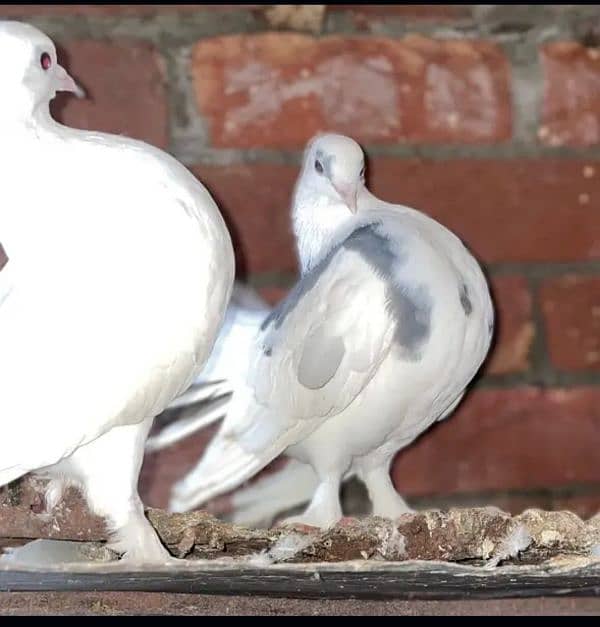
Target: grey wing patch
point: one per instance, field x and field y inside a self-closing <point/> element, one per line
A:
<point x="465" y="301"/>
<point x="3" y="257"/>
<point x="410" y="305"/>
<point x="321" y="358"/>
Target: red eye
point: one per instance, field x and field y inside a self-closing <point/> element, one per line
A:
<point x="45" y="61"/>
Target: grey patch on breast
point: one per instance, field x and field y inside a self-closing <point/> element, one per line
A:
<point x="465" y="301"/>
<point x="3" y="257"/>
<point x="409" y="305"/>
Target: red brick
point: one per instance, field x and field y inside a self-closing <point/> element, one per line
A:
<point x="571" y="306"/>
<point x="523" y="438"/>
<point x="126" y="87"/>
<point x="515" y="330"/>
<point x="518" y="210"/>
<point x="278" y="89"/>
<point x="101" y="10"/>
<point x="255" y="201"/>
<point x="571" y="105"/>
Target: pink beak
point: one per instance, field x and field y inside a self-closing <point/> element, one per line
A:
<point x="64" y="82"/>
<point x="349" y="194"/>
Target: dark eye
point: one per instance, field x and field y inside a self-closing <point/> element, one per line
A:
<point x="45" y="61"/>
<point x="319" y="167"/>
<point x="362" y="172"/>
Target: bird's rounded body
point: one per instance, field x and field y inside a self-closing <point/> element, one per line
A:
<point x="119" y="271"/>
<point x="407" y="395"/>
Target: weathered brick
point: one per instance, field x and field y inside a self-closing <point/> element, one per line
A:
<point x="521" y="438"/>
<point x="514" y="210"/>
<point x="571" y="306"/>
<point x="278" y="89"/>
<point x="126" y="90"/>
<point x="571" y="105"/>
<point x="255" y="200"/>
<point x="515" y="329"/>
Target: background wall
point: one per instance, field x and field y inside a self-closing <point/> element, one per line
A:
<point x="487" y="117"/>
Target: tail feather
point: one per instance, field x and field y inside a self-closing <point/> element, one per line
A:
<point x="189" y="422"/>
<point x="224" y="466"/>
<point x="262" y="502"/>
<point x="201" y="392"/>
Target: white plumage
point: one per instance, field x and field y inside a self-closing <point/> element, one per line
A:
<point x="104" y="237"/>
<point x="389" y="323"/>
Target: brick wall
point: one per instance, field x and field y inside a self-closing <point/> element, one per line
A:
<point x="487" y="117"/>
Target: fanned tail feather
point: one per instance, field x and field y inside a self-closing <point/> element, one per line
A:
<point x="224" y="466"/>
<point x="201" y="392"/>
<point x="189" y="422"/>
<point x="262" y="502"/>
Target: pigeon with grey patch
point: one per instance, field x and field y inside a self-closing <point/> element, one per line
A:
<point x="390" y="321"/>
<point x="102" y="238"/>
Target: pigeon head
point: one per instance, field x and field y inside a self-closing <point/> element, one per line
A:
<point x="334" y="167"/>
<point x="29" y="74"/>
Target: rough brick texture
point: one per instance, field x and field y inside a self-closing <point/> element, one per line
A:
<point x="515" y="329"/>
<point x="126" y="88"/>
<point x="255" y="200"/>
<point x="571" y="306"/>
<point x="571" y="109"/>
<point x="507" y="439"/>
<point x="278" y="89"/>
<point x="509" y="210"/>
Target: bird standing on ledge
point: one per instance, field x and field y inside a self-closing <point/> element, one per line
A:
<point x="390" y="321"/>
<point x="118" y="271"/>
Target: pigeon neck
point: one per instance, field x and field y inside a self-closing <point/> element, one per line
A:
<point x="316" y="219"/>
<point x="24" y="114"/>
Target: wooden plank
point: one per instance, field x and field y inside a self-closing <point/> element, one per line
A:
<point x="402" y="581"/>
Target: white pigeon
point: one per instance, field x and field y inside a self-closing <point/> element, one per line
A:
<point x="390" y="321"/>
<point x="104" y="236"/>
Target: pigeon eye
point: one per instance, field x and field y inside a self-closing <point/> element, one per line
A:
<point x="362" y="172"/>
<point x="319" y="167"/>
<point x="45" y="61"/>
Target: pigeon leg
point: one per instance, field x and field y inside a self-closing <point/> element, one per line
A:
<point x="109" y="468"/>
<point x="386" y="501"/>
<point x="324" y="510"/>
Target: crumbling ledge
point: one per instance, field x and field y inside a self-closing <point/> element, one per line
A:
<point x="457" y="554"/>
<point x="479" y="535"/>
<point x="475" y="536"/>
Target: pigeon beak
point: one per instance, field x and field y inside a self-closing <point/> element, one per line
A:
<point x="64" y="82"/>
<point x="349" y="194"/>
